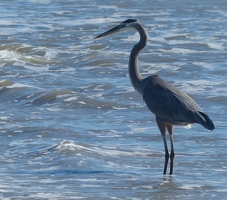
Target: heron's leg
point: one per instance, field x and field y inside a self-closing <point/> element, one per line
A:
<point x="162" y="128"/>
<point x="172" y="155"/>
<point x="166" y="154"/>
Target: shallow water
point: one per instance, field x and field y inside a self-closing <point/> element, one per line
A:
<point x="72" y="126"/>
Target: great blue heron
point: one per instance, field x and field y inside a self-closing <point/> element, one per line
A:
<point x="170" y="105"/>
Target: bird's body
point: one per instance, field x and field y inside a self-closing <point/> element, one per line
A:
<point x="170" y="105"/>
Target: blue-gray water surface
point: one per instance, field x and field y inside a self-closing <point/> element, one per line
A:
<point x="72" y="126"/>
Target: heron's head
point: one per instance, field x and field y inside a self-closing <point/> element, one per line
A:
<point x="122" y="25"/>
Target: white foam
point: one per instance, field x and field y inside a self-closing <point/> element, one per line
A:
<point x="17" y="85"/>
<point x="181" y="51"/>
<point x="190" y="186"/>
<point x="204" y="65"/>
<point x="71" y="99"/>
<point x="7" y="55"/>
<point x="215" y="45"/>
<point x="70" y="145"/>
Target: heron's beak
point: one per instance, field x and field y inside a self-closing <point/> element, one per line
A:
<point x="111" y="31"/>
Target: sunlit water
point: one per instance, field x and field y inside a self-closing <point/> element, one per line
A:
<point x="72" y="126"/>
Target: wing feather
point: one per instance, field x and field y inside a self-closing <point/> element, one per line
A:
<point x="168" y="102"/>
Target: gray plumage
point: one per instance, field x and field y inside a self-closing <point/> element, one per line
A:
<point x="170" y="105"/>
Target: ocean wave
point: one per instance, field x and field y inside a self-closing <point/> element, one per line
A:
<point x="22" y="54"/>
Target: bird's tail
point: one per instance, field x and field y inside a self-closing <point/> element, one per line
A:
<point x="205" y="121"/>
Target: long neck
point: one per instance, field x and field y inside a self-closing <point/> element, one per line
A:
<point x="134" y="73"/>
